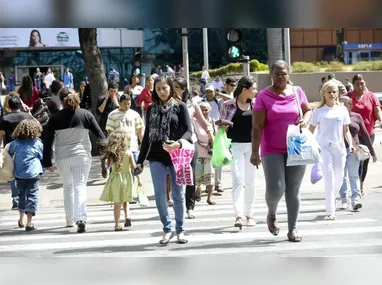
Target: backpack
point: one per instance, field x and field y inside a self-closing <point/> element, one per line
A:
<point x="41" y="112"/>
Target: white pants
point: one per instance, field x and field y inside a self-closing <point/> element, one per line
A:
<point x="74" y="172"/>
<point x="333" y="172"/>
<point x="243" y="180"/>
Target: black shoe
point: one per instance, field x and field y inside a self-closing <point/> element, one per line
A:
<point x="219" y="190"/>
<point x="14" y="207"/>
<point x="81" y="227"/>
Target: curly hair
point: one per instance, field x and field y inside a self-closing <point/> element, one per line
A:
<point x="116" y="146"/>
<point x="27" y="129"/>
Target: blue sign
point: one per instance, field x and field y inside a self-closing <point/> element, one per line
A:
<point x="363" y="46"/>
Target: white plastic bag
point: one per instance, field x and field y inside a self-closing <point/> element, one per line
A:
<point x="302" y="147"/>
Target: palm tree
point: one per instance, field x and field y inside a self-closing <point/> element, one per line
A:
<point x="275" y="45"/>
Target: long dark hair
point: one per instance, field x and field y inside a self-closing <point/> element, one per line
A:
<point x="31" y="43"/>
<point x="169" y="82"/>
<point x="186" y="93"/>
<point x="26" y="88"/>
<point x="244" y="82"/>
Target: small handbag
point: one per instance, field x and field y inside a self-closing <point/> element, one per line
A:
<point x="362" y="152"/>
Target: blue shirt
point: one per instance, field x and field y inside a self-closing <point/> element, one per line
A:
<point x="67" y="79"/>
<point x="28" y="156"/>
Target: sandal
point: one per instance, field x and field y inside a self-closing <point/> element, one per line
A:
<point x="166" y="238"/>
<point x="118" y="229"/>
<point x="127" y="223"/>
<point x="170" y="203"/>
<point x="20" y="225"/>
<point x="238" y="223"/>
<point x="250" y="221"/>
<point x="272" y="226"/>
<point x="209" y="202"/>
<point x="30" y="228"/>
<point x="197" y="196"/>
<point x="182" y="239"/>
<point x="294" y="237"/>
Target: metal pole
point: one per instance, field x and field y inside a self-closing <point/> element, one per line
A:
<point x="246" y="69"/>
<point x="287" y="46"/>
<point x="185" y="57"/>
<point x="205" y="47"/>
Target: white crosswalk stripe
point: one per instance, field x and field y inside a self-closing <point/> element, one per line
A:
<point x="212" y="232"/>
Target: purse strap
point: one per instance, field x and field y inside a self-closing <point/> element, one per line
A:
<point x="295" y="91"/>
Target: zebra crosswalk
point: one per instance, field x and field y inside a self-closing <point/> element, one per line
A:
<point x="211" y="233"/>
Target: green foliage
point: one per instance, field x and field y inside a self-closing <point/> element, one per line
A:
<point x="304" y="67"/>
<point x="335" y="66"/>
<point x="367" y="66"/>
<point x="254" y="65"/>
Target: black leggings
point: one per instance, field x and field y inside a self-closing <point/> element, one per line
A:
<point x="364" y="165"/>
<point x="190" y="189"/>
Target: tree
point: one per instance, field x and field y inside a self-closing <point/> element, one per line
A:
<point x="93" y="63"/>
<point x="275" y="45"/>
<point x="340" y="38"/>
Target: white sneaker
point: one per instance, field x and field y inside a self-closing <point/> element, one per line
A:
<point x="344" y="205"/>
<point x="330" y="217"/>
<point x="356" y="205"/>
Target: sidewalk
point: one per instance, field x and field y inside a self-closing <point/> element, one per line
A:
<point x="51" y="187"/>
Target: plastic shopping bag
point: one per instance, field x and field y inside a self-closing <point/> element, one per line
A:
<point x="143" y="201"/>
<point x="181" y="159"/>
<point x="316" y="173"/>
<point x="6" y="165"/>
<point x="221" y="154"/>
<point x="302" y="147"/>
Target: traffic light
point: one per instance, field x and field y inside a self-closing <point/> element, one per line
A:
<point x="234" y="37"/>
<point x="137" y="63"/>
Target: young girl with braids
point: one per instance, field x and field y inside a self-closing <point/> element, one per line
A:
<point x="119" y="186"/>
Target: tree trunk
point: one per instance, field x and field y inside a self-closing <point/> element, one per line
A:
<point x="95" y="72"/>
<point x="93" y="64"/>
<point x="340" y="38"/>
<point x="275" y="45"/>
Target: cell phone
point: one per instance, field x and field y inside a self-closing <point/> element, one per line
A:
<point x="168" y="142"/>
<point x="137" y="171"/>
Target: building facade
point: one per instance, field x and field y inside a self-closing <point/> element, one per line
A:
<point x="314" y="45"/>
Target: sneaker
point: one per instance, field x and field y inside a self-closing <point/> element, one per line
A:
<point x="344" y="205"/>
<point x="182" y="239"/>
<point x="219" y="189"/>
<point x="105" y="173"/>
<point x="330" y="217"/>
<point x="81" y="227"/>
<point x="14" y="207"/>
<point x="356" y="205"/>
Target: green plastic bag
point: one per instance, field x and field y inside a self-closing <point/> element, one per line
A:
<point x="221" y="154"/>
<point x="143" y="201"/>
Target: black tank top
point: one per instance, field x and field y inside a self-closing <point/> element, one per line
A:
<point x="242" y="126"/>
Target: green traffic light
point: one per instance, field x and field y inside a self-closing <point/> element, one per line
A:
<point x="234" y="52"/>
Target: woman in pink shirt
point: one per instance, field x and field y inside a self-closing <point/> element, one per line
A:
<point x="145" y="95"/>
<point x="274" y="110"/>
<point x="367" y="105"/>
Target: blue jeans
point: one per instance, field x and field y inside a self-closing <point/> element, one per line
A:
<point x="15" y="192"/>
<point x="158" y="175"/>
<point x="28" y="198"/>
<point x="351" y="169"/>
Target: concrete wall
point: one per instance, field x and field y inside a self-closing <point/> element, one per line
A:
<point x="310" y="82"/>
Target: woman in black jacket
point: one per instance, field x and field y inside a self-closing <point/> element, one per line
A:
<point x="168" y="123"/>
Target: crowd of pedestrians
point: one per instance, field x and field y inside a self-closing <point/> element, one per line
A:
<point x="143" y="126"/>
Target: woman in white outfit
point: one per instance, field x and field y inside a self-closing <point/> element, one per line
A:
<point x="332" y="120"/>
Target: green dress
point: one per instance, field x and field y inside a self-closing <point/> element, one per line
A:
<point x="119" y="185"/>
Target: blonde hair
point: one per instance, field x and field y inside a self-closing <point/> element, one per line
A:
<point x="116" y="146"/>
<point x="6" y="108"/>
<point x="27" y="129"/>
<point x="334" y="86"/>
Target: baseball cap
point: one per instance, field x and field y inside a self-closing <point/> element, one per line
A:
<point x="210" y="87"/>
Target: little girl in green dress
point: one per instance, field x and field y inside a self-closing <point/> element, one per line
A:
<point x="119" y="186"/>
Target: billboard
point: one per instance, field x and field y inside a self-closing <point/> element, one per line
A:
<point x="40" y="38"/>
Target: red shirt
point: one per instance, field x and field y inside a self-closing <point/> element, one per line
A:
<point x="365" y="107"/>
<point x="145" y="96"/>
<point x="30" y="101"/>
